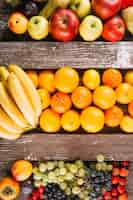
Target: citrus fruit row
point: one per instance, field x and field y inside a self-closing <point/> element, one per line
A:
<point x="91" y="100"/>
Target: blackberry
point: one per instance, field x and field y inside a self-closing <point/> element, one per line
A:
<point x="30" y="9"/>
<point x="53" y="192"/>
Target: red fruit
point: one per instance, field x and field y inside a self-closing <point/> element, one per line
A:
<point x="41" y="189"/>
<point x="107" y="196"/>
<point x="35" y="195"/>
<point x="121" y="189"/>
<point x="116" y="164"/>
<point x="115" y="171"/>
<point x="125" y="163"/>
<point x="114" y="192"/>
<point x="64" y="25"/>
<point x="124" y="172"/>
<point x="114" y="198"/>
<point x="126" y="3"/>
<point x="106" y="8"/>
<point x="123" y="196"/>
<point x="122" y="181"/>
<point x="115" y="180"/>
<point x="114" y="29"/>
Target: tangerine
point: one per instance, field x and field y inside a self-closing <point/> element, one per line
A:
<point x="104" y="97"/>
<point x="127" y="124"/>
<point x="92" y="119"/>
<point x="81" y="97"/>
<point x="45" y="97"/>
<point x="66" y="79"/>
<point x="33" y="76"/>
<point x="91" y="79"/>
<point x="130" y="108"/>
<point x="124" y="93"/>
<point x="129" y="77"/>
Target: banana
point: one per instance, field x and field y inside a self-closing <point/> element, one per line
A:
<point x="11" y="109"/>
<point x="8" y="124"/>
<point x="18" y="94"/>
<point x="29" y="88"/>
<point x="4" y="134"/>
<point x="3" y="73"/>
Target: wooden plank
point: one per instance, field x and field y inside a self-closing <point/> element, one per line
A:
<point x="40" y="55"/>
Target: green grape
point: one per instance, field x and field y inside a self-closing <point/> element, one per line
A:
<point x="93" y="165"/>
<point x="63" y="171"/>
<point x="73" y="168"/>
<point x="81" y="173"/>
<point x="61" y="164"/>
<point x="37" y="183"/>
<point x="42" y="167"/>
<point x="57" y="171"/>
<point x="79" y="163"/>
<point x="100" y="158"/>
<point x="109" y="167"/>
<point x="80" y="181"/>
<point x="68" y="191"/>
<point x="104" y="166"/>
<point x="60" y="179"/>
<point x="50" y="165"/>
<point x="35" y="170"/>
<point x="63" y="185"/>
<point x="51" y="176"/>
<point x="98" y="166"/>
<point x="81" y="195"/>
<point x="37" y="176"/>
<point x="76" y="190"/>
<point x="69" y="176"/>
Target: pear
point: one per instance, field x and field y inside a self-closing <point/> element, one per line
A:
<point x="128" y="18"/>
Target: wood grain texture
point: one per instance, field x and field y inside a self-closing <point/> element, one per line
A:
<point x="42" y="55"/>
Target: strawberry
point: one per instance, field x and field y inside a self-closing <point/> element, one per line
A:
<point x="123" y="196"/>
<point x="121" y="189"/>
<point x="116" y="164"/>
<point x="124" y="172"/>
<point x="122" y="181"/>
<point x="115" y="171"/>
<point x="114" y="192"/>
<point x="125" y="164"/>
<point x="115" y="180"/>
<point x="107" y="196"/>
<point x="114" y="198"/>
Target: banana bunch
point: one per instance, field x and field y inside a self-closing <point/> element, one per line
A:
<point x="20" y="105"/>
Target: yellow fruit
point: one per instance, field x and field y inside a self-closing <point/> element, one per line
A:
<point x="66" y="79"/>
<point x="124" y="93"/>
<point x="104" y="97"/>
<point x="50" y="121"/>
<point x="92" y="119"/>
<point x="45" y="97"/>
<point x="70" y="121"/>
<point x="91" y="79"/>
<point x="5" y="134"/>
<point x="127" y="124"/>
<point x="33" y="76"/>
<point x="46" y="80"/>
<point x="129" y="77"/>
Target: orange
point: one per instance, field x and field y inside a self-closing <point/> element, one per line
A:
<point x="127" y="124"/>
<point x="112" y="77"/>
<point x="70" y="121"/>
<point x="61" y="102"/>
<point x="81" y="97"/>
<point x="50" y="121"/>
<point x="21" y="170"/>
<point x="124" y="93"/>
<point x="113" y="116"/>
<point x="45" y="97"/>
<point x="92" y="119"/>
<point x="104" y="97"/>
<point x="46" y="80"/>
<point x="33" y="76"/>
<point x="130" y="108"/>
<point x="66" y="79"/>
<point x="91" y="79"/>
<point x="129" y="77"/>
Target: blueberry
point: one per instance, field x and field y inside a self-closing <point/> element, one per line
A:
<point x="30" y="9"/>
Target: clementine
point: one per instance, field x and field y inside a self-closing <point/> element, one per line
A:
<point x="45" y="97"/>
<point x="66" y="79"/>
<point x="33" y="76"/>
<point x="50" y="121"/>
<point x="112" y="77"/>
<point x="81" y="97"/>
<point x="127" y="124"/>
<point x="130" y="108"/>
<point x="70" y="121"/>
<point x="113" y="116"/>
<point x="124" y="93"/>
<point x="104" y="97"/>
<point x="91" y="79"/>
<point x="61" y="102"/>
<point x="92" y="119"/>
<point x="129" y="77"/>
<point x="46" y="80"/>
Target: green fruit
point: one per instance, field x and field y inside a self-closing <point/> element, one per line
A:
<point x="100" y="158"/>
<point x="68" y="191"/>
<point x="37" y="183"/>
<point x="98" y="167"/>
<point x="61" y="164"/>
<point x="50" y="165"/>
<point x="80" y="181"/>
<point x="37" y="176"/>
<point x="73" y="168"/>
<point x="128" y="18"/>
<point x="81" y="7"/>
<point x="91" y="28"/>
<point x="63" y="185"/>
<point x="63" y="171"/>
<point x="109" y="167"/>
<point x="69" y="176"/>
<point x="104" y="166"/>
<point x="42" y="167"/>
<point x="76" y="190"/>
<point x="79" y="163"/>
<point x="51" y="176"/>
<point x="81" y="173"/>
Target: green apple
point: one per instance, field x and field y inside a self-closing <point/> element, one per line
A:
<point x="128" y="18"/>
<point x="81" y="7"/>
<point x="38" y="27"/>
<point x="91" y="28"/>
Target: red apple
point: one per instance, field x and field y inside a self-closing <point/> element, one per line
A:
<point x="106" y="8"/>
<point x="126" y="3"/>
<point x="64" y="25"/>
<point x="114" y="29"/>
